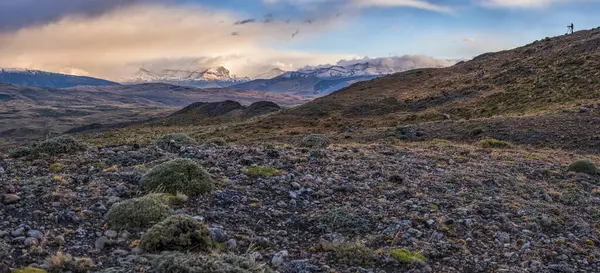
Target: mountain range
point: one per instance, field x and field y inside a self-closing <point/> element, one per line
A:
<point x="318" y="81"/>
<point x="29" y="77"/>
<point x="205" y="78"/>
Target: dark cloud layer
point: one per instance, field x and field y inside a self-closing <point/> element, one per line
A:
<point x="16" y="14"/>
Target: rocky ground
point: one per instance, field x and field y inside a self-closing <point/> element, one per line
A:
<point x="347" y="208"/>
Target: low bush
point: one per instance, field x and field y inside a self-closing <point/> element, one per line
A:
<point x="20" y="152"/>
<point x="404" y="255"/>
<point x="264" y="171"/>
<point x="583" y="166"/>
<point x="494" y="143"/>
<point x="315" y="141"/>
<point x="138" y="213"/>
<point x="355" y="254"/>
<point x="216" y="141"/>
<point x="64" y="144"/>
<point x="173" y="142"/>
<point x="176" y="262"/>
<point x="178" y="176"/>
<point x="178" y="232"/>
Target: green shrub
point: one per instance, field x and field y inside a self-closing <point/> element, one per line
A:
<point x="178" y="176"/>
<point x="29" y="269"/>
<point x="138" y="213"/>
<point x="494" y="143"/>
<point x="406" y="256"/>
<point x="315" y="141"/>
<point x="178" y="232"/>
<point x="56" y="167"/>
<point x="583" y="166"/>
<point x="64" y="144"/>
<point x="355" y="254"/>
<point x="176" y="262"/>
<point x="264" y="171"/>
<point x="217" y="141"/>
<point x="20" y="152"/>
<point x="173" y="142"/>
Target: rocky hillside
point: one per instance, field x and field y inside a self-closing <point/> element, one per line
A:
<point x="551" y="73"/>
<point x="311" y="207"/>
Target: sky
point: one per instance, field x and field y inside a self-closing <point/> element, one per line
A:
<point x="114" y="38"/>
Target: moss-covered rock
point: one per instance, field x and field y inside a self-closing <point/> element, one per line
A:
<point x="176" y="262"/>
<point x="173" y="142"/>
<point x="138" y="213"/>
<point x="178" y="232"/>
<point x="494" y="143"/>
<point x="315" y="141"/>
<point x="583" y="166"/>
<point x="355" y="254"/>
<point x="404" y="255"/>
<point x="29" y="269"/>
<point x="178" y="176"/>
<point x="264" y="171"/>
<point x="64" y="144"/>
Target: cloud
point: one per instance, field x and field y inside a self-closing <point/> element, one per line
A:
<point x="360" y="4"/>
<point x="15" y="14"/>
<point x="469" y="40"/>
<point x="396" y="63"/>
<point x="116" y="43"/>
<point x="520" y="3"/>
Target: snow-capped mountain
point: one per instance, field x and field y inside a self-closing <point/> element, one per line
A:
<point x="324" y="79"/>
<point x="338" y="71"/>
<point x="30" y="77"/>
<point x="275" y="72"/>
<point x="211" y="77"/>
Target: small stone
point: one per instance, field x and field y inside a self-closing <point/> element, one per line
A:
<point x="256" y="255"/>
<point x="279" y="258"/>
<point x="281" y="204"/>
<point x="111" y="234"/>
<point x="262" y="242"/>
<point x="35" y="234"/>
<point x="10" y="189"/>
<point x="295" y="185"/>
<point x="3" y="233"/>
<point x="11" y="199"/>
<point x="583" y="109"/>
<point x="60" y="240"/>
<point x="136" y="250"/>
<point x="503" y="237"/>
<point x="218" y="235"/>
<point x="18" y="232"/>
<point x="446" y="117"/>
<point x="101" y="242"/>
<point x="31" y="241"/>
<point x="413" y="233"/>
<point x="232" y="244"/>
<point x="120" y="252"/>
<point x="430" y="222"/>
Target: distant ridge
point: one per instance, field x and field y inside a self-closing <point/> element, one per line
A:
<point x="38" y="78"/>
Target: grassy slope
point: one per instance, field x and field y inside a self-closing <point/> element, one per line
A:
<point x="536" y="86"/>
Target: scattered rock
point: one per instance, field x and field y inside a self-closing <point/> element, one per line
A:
<point x="11" y="199"/>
